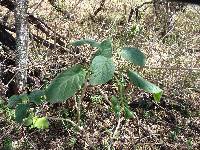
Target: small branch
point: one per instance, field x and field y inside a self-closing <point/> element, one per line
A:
<point x="145" y="3"/>
<point x="8" y="40"/>
<point x="75" y="6"/>
<point x="115" y="133"/>
<point x="138" y="124"/>
<point x="100" y="7"/>
<point x="137" y="10"/>
<point x="12" y="78"/>
<point x="130" y="14"/>
<point x="79" y="102"/>
<point x="38" y="23"/>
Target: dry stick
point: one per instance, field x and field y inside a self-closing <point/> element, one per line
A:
<point x="138" y="123"/>
<point x="137" y="9"/>
<point x="40" y="40"/>
<point x="54" y="33"/>
<point x="12" y="78"/>
<point x="170" y="31"/>
<point x="66" y="13"/>
<point x="55" y="47"/>
<point x="100" y="7"/>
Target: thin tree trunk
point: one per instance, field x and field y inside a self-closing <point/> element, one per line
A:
<point x="22" y="37"/>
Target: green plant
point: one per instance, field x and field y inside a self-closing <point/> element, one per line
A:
<point x="135" y="29"/>
<point x="119" y="102"/>
<point x="71" y="80"/>
<point x="72" y="142"/>
<point x="148" y="114"/>
<point x="174" y="133"/>
<point x="96" y="99"/>
<point x="189" y="143"/>
<point x="25" y="109"/>
<point x="9" y="114"/>
<point x="7" y="144"/>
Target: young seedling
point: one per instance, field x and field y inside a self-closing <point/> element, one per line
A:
<point x="78" y="77"/>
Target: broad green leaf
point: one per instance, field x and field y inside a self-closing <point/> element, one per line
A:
<point x="142" y="83"/>
<point x="115" y="106"/>
<point x="66" y="84"/>
<point x="102" y="70"/>
<point x="21" y="112"/>
<point x="36" y="96"/>
<point x="91" y="42"/>
<point x="157" y="96"/>
<point x="28" y="121"/>
<point x="35" y="118"/>
<point x="114" y="101"/>
<point x="117" y="110"/>
<point x="133" y="55"/>
<point x="128" y="113"/>
<point x="41" y="123"/>
<point x="24" y="98"/>
<point x="15" y="99"/>
<point x="105" y="49"/>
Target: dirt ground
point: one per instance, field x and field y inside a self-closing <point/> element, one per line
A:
<point x="173" y="63"/>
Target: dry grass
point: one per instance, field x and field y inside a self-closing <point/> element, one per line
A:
<point x="174" y="65"/>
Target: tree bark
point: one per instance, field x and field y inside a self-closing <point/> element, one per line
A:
<point x="22" y="37"/>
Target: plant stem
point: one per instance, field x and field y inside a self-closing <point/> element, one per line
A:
<point x="115" y="132"/>
<point x="77" y="126"/>
<point x="79" y="103"/>
<point x="105" y="96"/>
<point x="68" y="120"/>
<point x="117" y="127"/>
